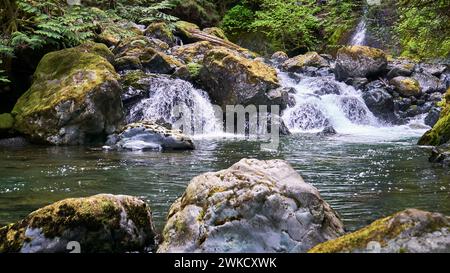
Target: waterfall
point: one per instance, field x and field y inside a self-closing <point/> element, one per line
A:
<point x="322" y="101"/>
<point x="164" y="94"/>
<point x="359" y="37"/>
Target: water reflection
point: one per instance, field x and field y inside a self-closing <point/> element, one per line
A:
<point x="362" y="181"/>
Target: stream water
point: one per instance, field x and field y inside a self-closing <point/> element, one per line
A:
<point x="366" y="171"/>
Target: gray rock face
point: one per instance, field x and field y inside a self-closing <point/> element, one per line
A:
<point x="380" y="103"/>
<point x="101" y="223"/>
<point x="254" y="206"/>
<point x="433" y="116"/>
<point x="147" y="135"/>
<point x="441" y="155"/>
<point x="359" y="62"/>
<point x="429" y="83"/>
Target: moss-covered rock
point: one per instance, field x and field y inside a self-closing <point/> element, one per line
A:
<point x="161" y="31"/>
<point x="193" y="53"/>
<point x="218" y="32"/>
<point x="360" y="62"/>
<point x="407" y="231"/>
<point x="231" y="79"/>
<point x="440" y="133"/>
<point x="253" y="206"/>
<point x="112" y="33"/>
<point x="140" y="52"/>
<point x="298" y="63"/>
<point x="405" y="86"/>
<point x="183" y="29"/>
<point x="6" y="121"/>
<point x="101" y="223"/>
<point x="74" y="98"/>
<point x="200" y="12"/>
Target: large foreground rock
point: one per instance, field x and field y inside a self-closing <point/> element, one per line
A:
<point x="408" y="231"/>
<point x="147" y="135"/>
<point x="74" y="98"/>
<point x="254" y="206"/>
<point x="231" y="79"/>
<point x="359" y="62"/>
<point x="101" y="223"/>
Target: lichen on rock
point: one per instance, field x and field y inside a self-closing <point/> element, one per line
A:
<point x="75" y="95"/>
<point x="407" y="231"/>
<point x="253" y="206"/>
<point x="101" y="223"/>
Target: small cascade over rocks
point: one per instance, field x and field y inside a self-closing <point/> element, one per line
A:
<point x="322" y="102"/>
<point x="161" y="98"/>
<point x="359" y="37"/>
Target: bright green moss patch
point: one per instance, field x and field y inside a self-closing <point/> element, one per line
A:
<point x="6" y="121"/>
<point x="440" y="133"/>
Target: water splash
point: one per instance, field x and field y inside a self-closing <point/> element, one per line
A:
<point x="323" y="101"/>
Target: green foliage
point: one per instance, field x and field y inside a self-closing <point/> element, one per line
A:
<point x="5" y="51"/>
<point x="291" y="24"/>
<point x="423" y="28"/>
<point x="146" y="12"/>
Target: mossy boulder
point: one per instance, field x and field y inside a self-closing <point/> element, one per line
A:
<point x="407" y="231"/>
<point x="231" y="79"/>
<point x="406" y="87"/>
<point x="183" y="29"/>
<point x="253" y="206"/>
<point x="74" y="98"/>
<point x="360" y="62"/>
<point x="440" y="133"/>
<point x="113" y="33"/>
<point x="101" y="223"/>
<point x="201" y="12"/>
<point x="141" y="53"/>
<point x="161" y="31"/>
<point x="310" y="59"/>
<point x="193" y="53"/>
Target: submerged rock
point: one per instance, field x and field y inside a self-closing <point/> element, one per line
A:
<point x="74" y="98"/>
<point x="147" y="135"/>
<point x="359" y="62"/>
<point x="407" y="231"/>
<point x="101" y="223"/>
<point x="327" y="131"/>
<point x="299" y="63"/>
<point x="441" y="155"/>
<point x="231" y="79"/>
<point x="254" y="206"/>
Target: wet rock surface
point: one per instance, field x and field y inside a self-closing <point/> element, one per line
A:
<point x="409" y="231"/>
<point x="254" y="206"/>
<point x="100" y="224"/>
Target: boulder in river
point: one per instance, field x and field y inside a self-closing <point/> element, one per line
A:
<point x="380" y="103"/>
<point x="407" y="87"/>
<point x="146" y="135"/>
<point x="411" y="230"/>
<point x="441" y="155"/>
<point x="74" y="98"/>
<point x="231" y="79"/>
<point x="359" y="62"/>
<point x="101" y="223"/>
<point x="429" y="83"/>
<point x="253" y="206"/>
<point x="300" y="62"/>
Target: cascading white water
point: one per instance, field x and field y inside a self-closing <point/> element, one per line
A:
<point x="323" y="101"/>
<point x="165" y="94"/>
<point x="359" y="38"/>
